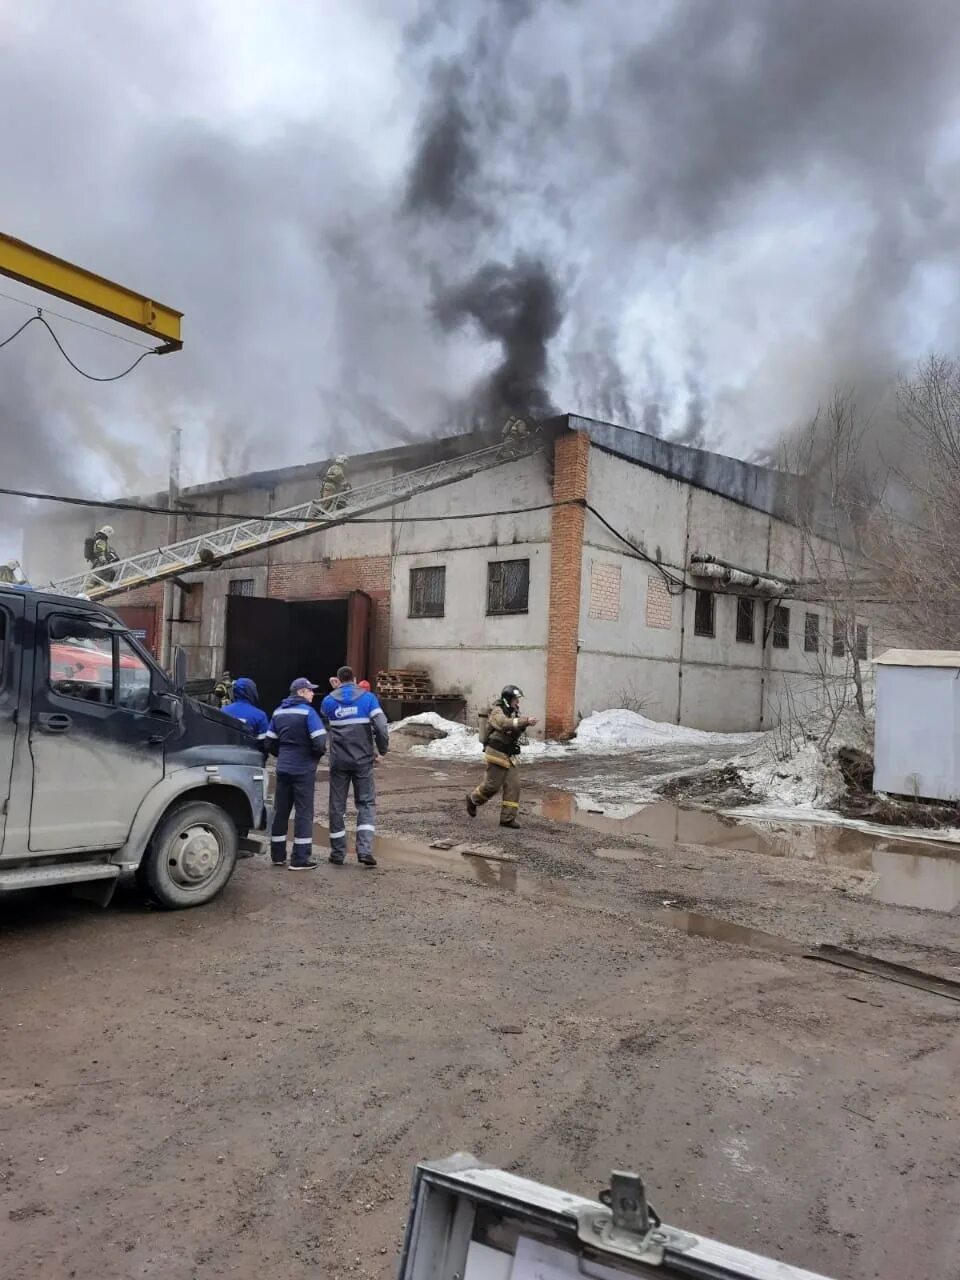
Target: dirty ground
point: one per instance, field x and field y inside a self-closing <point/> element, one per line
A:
<point x="243" y="1090"/>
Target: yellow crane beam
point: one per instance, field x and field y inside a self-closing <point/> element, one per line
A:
<point x="41" y="270"/>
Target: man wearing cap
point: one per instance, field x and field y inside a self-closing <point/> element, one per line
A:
<point x="297" y="738"/>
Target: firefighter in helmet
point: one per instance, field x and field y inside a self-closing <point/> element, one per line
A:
<point x="223" y="690"/>
<point x="334" y="487"/>
<point x="501" y="749"/>
<point x="515" y="435"/>
<point x="98" y="550"/>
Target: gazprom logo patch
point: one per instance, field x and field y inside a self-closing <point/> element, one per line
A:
<point x="345" y="713"/>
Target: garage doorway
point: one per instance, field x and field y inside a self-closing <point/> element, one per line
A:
<point x="274" y="641"/>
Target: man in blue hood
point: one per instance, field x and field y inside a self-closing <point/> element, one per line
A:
<point x="356" y="726"/>
<point x="246" y="708"/>
<point x="297" y="738"/>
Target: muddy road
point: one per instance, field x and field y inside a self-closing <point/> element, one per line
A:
<point x="243" y="1090"/>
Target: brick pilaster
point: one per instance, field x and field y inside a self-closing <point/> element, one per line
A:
<point x="571" y="460"/>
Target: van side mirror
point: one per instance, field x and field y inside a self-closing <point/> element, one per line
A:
<point x="179" y="669"/>
<point x="166" y="704"/>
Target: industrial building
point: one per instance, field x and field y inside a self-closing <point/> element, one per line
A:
<point x="593" y="572"/>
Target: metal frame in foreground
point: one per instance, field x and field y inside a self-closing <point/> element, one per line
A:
<point x="458" y="1202"/>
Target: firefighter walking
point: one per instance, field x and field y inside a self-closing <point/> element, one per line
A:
<point x="501" y="747"/>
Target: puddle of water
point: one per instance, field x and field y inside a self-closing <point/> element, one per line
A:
<point x="395" y="851"/>
<point x="901" y="872"/>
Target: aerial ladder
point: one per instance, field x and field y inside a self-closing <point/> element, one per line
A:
<point x="210" y="549"/>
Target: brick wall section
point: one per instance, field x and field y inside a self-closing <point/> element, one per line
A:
<point x="571" y="461"/>
<point x="659" y="603"/>
<point x="328" y="580"/>
<point x="139" y="596"/>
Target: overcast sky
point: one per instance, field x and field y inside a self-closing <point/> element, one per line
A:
<point x="696" y="216"/>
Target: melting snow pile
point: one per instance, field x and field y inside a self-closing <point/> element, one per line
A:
<point x="798" y="767"/>
<point x="609" y="732"/>
<point x="605" y="733"/>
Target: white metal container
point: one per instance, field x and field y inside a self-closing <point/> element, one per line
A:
<point x="470" y="1222"/>
<point x="917" y="747"/>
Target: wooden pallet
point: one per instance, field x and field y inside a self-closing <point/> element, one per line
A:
<point x="406" y="684"/>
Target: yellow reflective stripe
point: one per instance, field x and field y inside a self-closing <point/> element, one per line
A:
<point x="505" y="762"/>
<point x="510" y="804"/>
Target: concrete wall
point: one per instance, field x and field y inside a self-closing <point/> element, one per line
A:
<point x="466" y="651"/>
<point x="644" y="653"/>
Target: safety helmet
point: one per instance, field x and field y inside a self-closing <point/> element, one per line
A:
<point x="509" y="692"/>
<point x="340" y="458"/>
<point x="106" y="530"/>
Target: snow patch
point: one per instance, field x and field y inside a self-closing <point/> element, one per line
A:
<point x="610" y="732"/>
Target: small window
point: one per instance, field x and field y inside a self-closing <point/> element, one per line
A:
<point x="704" y="614"/>
<point x="863" y="641"/>
<point x="428" y="591"/>
<point x="811" y="633"/>
<point x="241" y="587"/>
<point x="745" y="612"/>
<point x="781" y="627"/>
<point x="508" y="586"/>
<point x="839" y="637"/>
<point x="191" y="603"/>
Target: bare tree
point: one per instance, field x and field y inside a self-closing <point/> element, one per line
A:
<point x="837" y="489"/>
<point x="913" y="536"/>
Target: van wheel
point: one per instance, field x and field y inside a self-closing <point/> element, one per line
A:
<point x="191" y="856"/>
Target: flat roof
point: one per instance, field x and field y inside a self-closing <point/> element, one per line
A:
<point x="919" y="658"/>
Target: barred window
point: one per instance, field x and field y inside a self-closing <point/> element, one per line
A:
<point x="428" y="591"/>
<point x="811" y="633"/>
<point x="508" y="586"/>
<point x="241" y="587"/>
<point x="862" y="641"/>
<point x="745" y="613"/>
<point x="704" y="614"/>
<point x="781" y="627"/>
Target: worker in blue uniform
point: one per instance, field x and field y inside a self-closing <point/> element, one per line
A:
<point x="245" y="707"/>
<point x="357" y="729"/>
<point x="297" y="738"/>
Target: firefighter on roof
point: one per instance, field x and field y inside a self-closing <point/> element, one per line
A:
<point x="334" y="487"/>
<point x="515" y="435"/>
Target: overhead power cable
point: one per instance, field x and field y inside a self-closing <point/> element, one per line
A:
<point x="40" y="318"/>
<point x="675" y="585"/>
<point x="245" y="516"/>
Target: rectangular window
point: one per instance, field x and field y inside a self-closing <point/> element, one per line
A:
<point x="96" y="665"/>
<point x="811" y="632"/>
<point x="508" y="586"/>
<point x="704" y="614"/>
<point x="781" y="627"/>
<point x="241" y="586"/>
<point x="862" y="641"/>
<point x="428" y="591"/>
<point x="839" y="632"/>
<point x="745" y="609"/>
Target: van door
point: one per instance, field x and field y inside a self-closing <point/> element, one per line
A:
<point x="11" y="612"/>
<point x="97" y="747"/>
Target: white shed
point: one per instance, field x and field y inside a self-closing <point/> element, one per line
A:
<point x="917" y="747"/>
